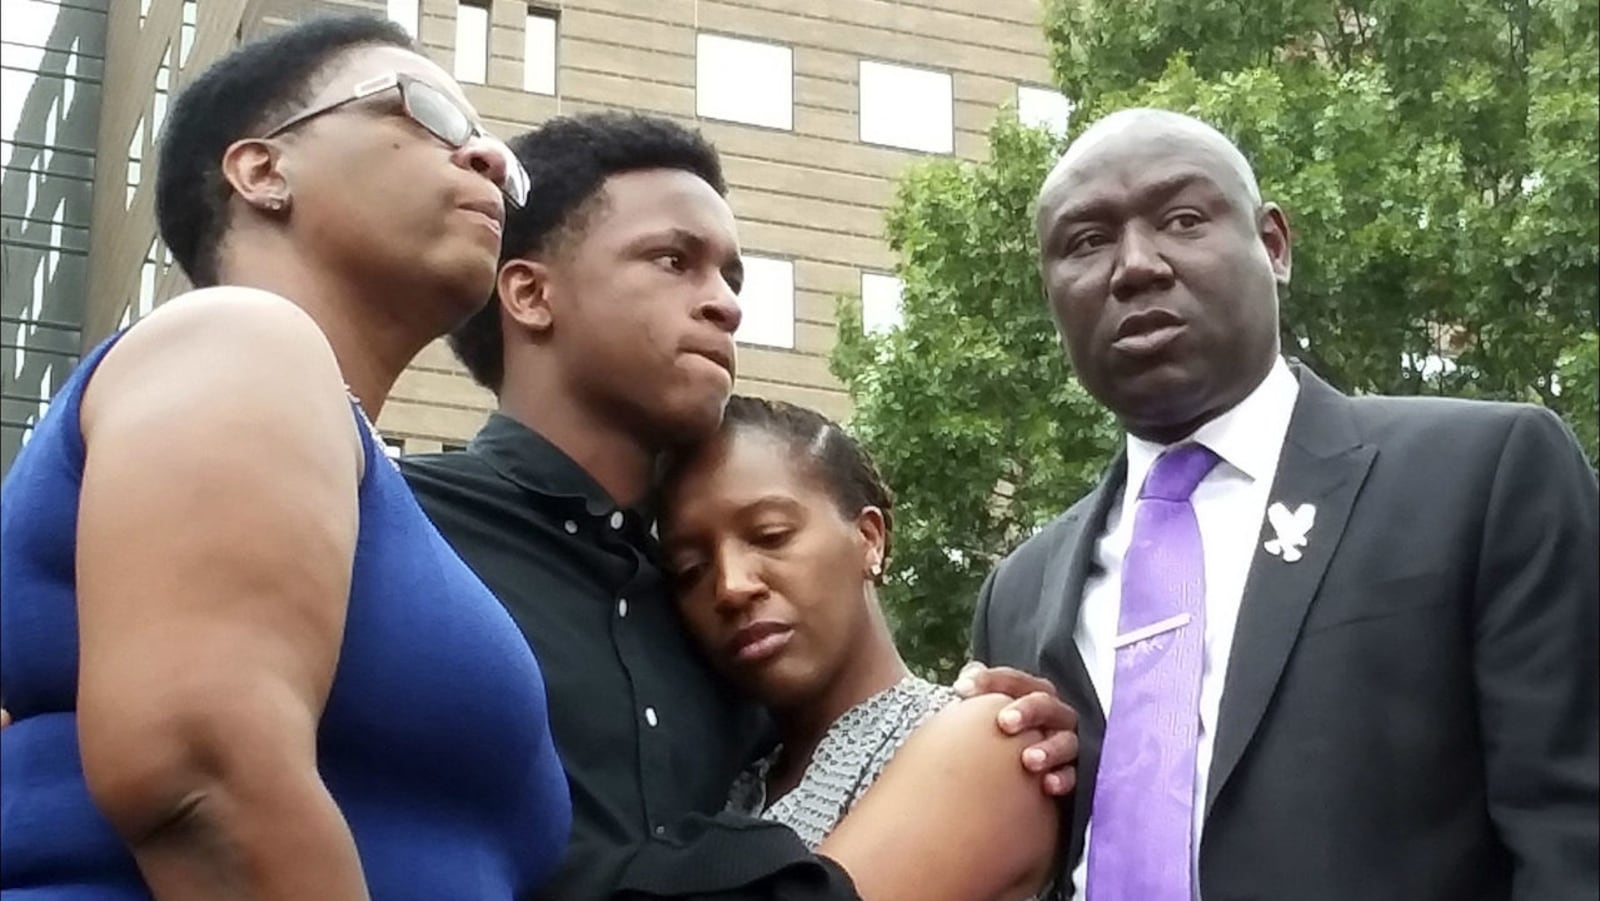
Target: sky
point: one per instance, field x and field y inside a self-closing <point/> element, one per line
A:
<point x="23" y="30"/>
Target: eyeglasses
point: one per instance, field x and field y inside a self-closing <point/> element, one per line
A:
<point x="435" y="111"/>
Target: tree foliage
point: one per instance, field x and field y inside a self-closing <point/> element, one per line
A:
<point x="1439" y="161"/>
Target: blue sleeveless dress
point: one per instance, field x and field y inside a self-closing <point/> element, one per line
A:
<point x="434" y="743"/>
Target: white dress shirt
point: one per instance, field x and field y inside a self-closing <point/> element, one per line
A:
<point x="1230" y="504"/>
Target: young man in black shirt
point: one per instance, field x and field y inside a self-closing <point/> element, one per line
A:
<point x="612" y="341"/>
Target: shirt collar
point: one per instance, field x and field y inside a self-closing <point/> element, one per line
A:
<point x="1247" y="437"/>
<point x="533" y="462"/>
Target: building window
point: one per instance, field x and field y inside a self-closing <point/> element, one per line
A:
<point x="47" y="389"/>
<point x="472" y="43"/>
<point x="69" y="85"/>
<point x="539" y="51"/>
<point x="744" y="81"/>
<point x="144" y="301"/>
<point x="880" y="302"/>
<point x="147" y="290"/>
<point x="158" y="105"/>
<point x="404" y="12"/>
<point x="51" y="117"/>
<point x="767" y="302"/>
<point x="906" y="107"/>
<point x="1043" y="108"/>
<point x="186" y="33"/>
<point x="135" y="160"/>
<point x="1428" y="366"/>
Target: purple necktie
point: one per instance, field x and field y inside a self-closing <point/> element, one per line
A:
<point x="1143" y="815"/>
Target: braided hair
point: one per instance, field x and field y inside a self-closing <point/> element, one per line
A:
<point x="838" y="460"/>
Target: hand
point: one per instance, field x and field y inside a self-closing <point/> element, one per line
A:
<point x="5" y="717"/>
<point x="1036" y="706"/>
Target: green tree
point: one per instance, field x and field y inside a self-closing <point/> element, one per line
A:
<point x="1438" y="162"/>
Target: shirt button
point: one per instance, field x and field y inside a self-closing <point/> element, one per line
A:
<point x="622" y="607"/>
<point x="661" y="830"/>
<point x="616" y="520"/>
<point x="571" y="527"/>
<point x="650" y="716"/>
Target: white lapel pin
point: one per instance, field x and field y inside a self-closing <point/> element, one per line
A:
<point x="1290" y="530"/>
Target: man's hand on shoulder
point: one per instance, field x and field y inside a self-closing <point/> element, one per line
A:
<point x="1035" y="705"/>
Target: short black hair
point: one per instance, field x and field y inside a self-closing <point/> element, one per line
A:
<point x="568" y="159"/>
<point x="845" y="469"/>
<point x="235" y="97"/>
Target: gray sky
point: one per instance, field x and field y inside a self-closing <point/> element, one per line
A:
<point x="23" y="30"/>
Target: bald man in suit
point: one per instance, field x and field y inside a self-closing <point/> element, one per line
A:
<point x="1323" y="648"/>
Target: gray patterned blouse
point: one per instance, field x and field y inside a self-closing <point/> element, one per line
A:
<point x="847" y="760"/>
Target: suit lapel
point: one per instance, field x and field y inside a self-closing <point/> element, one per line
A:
<point x="1323" y="464"/>
<point x="1068" y="569"/>
<point x="1062" y="590"/>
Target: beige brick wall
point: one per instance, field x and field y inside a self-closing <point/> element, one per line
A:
<point x="814" y="195"/>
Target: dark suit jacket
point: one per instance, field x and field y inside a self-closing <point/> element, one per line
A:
<point x="1412" y="710"/>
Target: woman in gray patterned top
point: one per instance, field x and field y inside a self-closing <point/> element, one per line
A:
<point x="776" y="534"/>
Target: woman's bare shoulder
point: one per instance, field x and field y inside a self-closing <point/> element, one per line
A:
<point x="250" y="349"/>
<point x="225" y="323"/>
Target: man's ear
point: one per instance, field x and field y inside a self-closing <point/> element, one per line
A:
<point x="523" y="291"/>
<point x="1276" y="237"/>
<point x="254" y="169"/>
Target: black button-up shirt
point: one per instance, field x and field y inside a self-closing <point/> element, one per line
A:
<point x="651" y="739"/>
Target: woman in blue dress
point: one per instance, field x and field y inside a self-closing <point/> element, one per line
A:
<point x="239" y="659"/>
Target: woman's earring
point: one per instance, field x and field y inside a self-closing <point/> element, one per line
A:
<point x="277" y="204"/>
<point x="876" y="570"/>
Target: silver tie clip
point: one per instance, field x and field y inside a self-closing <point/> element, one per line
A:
<point x="1154" y="629"/>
